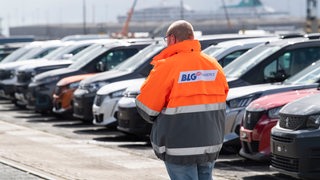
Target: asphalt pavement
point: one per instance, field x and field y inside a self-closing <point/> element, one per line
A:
<point x="34" y="146"/>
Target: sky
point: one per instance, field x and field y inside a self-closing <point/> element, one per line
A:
<point x="31" y="12"/>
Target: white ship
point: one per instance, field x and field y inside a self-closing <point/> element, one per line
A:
<point x="244" y="9"/>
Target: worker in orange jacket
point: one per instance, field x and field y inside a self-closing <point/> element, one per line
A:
<point x="184" y="97"/>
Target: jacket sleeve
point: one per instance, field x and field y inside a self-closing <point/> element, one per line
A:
<point x="154" y="93"/>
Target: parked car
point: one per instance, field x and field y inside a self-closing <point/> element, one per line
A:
<point x="7" y="49"/>
<point x="260" y="117"/>
<point x="8" y="70"/>
<point x="105" y="103"/>
<point x="59" y="58"/>
<point x="136" y="67"/>
<point x="272" y="62"/>
<point x="128" y="119"/>
<point x="101" y="57"/>
<point x="63" y="94"/>
<point x="295" y="139"/>
<point x="21" y="53"/>
<point x="239" y="98"/>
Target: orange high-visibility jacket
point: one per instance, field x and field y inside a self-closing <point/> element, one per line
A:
<point x="184" y="96"/>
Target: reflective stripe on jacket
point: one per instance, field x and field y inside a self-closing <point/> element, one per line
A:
<point x="185" y="95"/>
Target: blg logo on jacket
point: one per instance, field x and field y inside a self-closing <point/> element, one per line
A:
<point x="197" y="75"/>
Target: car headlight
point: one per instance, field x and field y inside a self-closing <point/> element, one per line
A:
<point x="12" y="73"/>
<point x="94" y="87"/>
<point x="117" y="94"/>
<point x="74" y="85"/>
<point x="241" y="102"/>
<point x="274" y="113"/>
<point x="313" y="121"/>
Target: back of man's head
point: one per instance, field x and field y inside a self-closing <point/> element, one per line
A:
<point x="181" y="29"/>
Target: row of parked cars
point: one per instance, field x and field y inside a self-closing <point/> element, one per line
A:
<point x="98" y="80"/>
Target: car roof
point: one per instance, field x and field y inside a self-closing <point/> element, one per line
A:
<point x="242" y="42"/>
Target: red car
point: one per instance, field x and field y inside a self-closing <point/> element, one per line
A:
<point x="260" y="117"/>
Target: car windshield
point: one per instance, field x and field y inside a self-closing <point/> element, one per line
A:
<point x="37" y="53"/>
<point x="309" y="75"/>
<point x="213" y="51"/>
<point x="16" y="54"/>
<point x="248" y="60"/>
<point x="59" y="52"/>
<point x="136" y="60"/>
<point x="85" y="56"/>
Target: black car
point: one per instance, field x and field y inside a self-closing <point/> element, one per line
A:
<point x="98" y="58"/>
<point x="295" y="139"/>
<point x="36" y="55"/>
<point x="137" y="66"/>
<point x="272" y="62"/>
<point x="60" y="58"/>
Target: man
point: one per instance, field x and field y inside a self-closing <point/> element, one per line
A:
<point x="184" y="97"/>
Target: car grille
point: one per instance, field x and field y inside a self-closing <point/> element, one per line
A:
<point x="23" y="76"/>
<point x="285" y="163"/>
<point x="251" y="118"/>
<point x="57" y="90"/>
<point x="292" y="122"/>
<point x="99" y="118"/>
<point x="4" y="74"/>
<point x="251" y="148"/>
<point x="281" y="139"/>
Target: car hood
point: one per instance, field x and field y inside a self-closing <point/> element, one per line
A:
<point x="279" y="99"/>
<point x="55" y="72"/>
<point x="135" y="88"/>
<point x="117" y="86"/>
<point x="305" y="106"/>
<point x="264" y="89"/>
<point x="236" y="82"/>
<point x="72" y="79"/>
<point x="30" y="67"/>
<point x="104" y="76"/>
<point x="13" y="65"/>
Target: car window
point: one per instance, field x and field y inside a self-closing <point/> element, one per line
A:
<point x="309" y="75"/>
<point x="114" y="57"/>
<point x="87" y="55"/>
<point x="230" y="57"/>
<point x="75" y="51"/>
<point x="16" y="54"/>
<point x="141" y="57"/>
<point x="213" y="51"/>
<point x="248" y="60"/>
<point x="37" y="53"/>
<point x="290" y="63"/>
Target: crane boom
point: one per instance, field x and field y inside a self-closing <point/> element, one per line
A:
<point x="124" y="31"/>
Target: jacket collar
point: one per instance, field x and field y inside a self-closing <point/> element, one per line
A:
<point x="184" y="46"/>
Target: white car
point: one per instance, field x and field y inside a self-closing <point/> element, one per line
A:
<point x="106" y="101"/>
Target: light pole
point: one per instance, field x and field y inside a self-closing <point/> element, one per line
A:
<point x="84" y="16"/>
